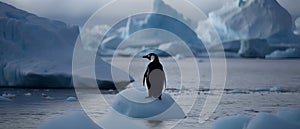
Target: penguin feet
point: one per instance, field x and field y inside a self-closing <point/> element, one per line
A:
<point x="159" y="97"/>
<point x="147" y="97"/>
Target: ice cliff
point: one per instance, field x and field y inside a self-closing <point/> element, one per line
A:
<point x="37" y="52"/>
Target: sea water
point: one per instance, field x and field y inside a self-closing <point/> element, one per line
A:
<point x="252" y="86"/>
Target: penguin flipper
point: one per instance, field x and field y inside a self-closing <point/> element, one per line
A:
<point x="145" y="74"/>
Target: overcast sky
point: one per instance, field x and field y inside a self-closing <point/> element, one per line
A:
<point x="78" y="11"/>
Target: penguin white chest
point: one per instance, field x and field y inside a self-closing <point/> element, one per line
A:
<point x="157" y="80"/>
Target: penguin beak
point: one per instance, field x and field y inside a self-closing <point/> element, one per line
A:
<point x="146" y="56"/>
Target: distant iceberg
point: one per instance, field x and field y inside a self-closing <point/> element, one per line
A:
<point x="37" y="52"/>
<point x="130" y="34"/>
<point x="252" y="19"/>
<point x="255" y="27"/>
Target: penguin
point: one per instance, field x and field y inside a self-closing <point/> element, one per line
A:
<point x="154" y="77"/>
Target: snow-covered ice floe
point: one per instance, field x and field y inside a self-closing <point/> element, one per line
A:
<point x="282" y="120"/>
<point x="132" y="103"/>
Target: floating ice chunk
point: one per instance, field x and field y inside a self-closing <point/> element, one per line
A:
<point x="269" y="121"/>
<point x="282" y="120"/>
<point x="71" y="99"/>
<point x="237" y="91"/>
<point x="261" y="89"/>
<point x="277" y="89"/>
<point x="292" y="115"/>
<point x="231" y="122"/>
<point x="288" y="53"/>
<point x="44" y="95"/>
<point x="132" y="103"/>
<point x="8" y="95"/>
<point x="4" y="99"/>
<point x="49" y="97"/>
<point x="27" y="94"/>
<point x="71" y="120"/>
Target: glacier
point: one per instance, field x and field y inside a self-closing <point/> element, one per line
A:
<point x="37" y="52"/>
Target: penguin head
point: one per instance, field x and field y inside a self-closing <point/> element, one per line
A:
<point x="151" y="57"/>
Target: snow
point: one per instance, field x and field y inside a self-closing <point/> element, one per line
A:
<point x="37" y="52"/>
<point x="288" y="119"/>
<point x="132" y="103"/>
<point x="288" y="53"/>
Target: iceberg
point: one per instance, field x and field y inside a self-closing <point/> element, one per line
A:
<point x="242" y="23"/>
<point x="37" y="52"/>
<point x="162" y="18"/>
<point x="255" y="48"/>
<point x="288" y="119"/>
<point x="252" y="19"/>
